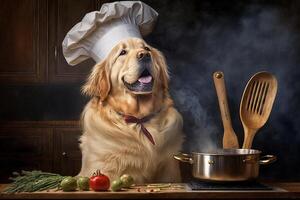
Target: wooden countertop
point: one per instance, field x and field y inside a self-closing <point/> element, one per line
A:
<point x="281" y="191"/>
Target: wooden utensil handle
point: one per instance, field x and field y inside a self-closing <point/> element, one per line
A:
<point x="222" y="98"/>
<point x="249" y="136"/>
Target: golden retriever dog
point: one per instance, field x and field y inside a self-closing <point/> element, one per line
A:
<point x="130" y="125"/>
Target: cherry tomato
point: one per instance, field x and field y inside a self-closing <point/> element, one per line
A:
<point x="99" y="182"/>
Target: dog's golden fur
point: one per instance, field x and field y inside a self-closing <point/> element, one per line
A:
<point x="110" y="144"/>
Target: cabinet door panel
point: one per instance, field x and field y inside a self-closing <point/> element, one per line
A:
<point x="13" y="42"/>
<point x="67" y="14"/>
<point x="23" y="38"/>
<point x="25" y="149"/>
<point x="67" y="151"/>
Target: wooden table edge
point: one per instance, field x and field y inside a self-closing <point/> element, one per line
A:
<point x="277" y="193"/>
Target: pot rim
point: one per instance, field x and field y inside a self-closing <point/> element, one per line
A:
<point x="229" y="152"/>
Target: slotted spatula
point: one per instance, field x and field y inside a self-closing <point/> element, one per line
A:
<point x="256" y="104"/>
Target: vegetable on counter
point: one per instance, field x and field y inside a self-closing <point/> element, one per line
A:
<point x="127" y="180"/>
<point x="116" y="185"/>
<point x="68" y="184"/>
<point x="83" y="183"/>
<point x="31" y="181"/>
<point x="99" y="182"/>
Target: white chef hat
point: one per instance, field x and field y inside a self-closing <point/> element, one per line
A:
<point x="100" y="31"/>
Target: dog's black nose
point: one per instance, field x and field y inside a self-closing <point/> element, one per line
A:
<point x="143" y="55"/>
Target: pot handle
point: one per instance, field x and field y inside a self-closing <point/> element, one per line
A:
<point x="267" y="159"/>
<point x="184" y="157"/>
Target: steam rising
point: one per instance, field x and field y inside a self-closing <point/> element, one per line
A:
<point x="198" y="40"/>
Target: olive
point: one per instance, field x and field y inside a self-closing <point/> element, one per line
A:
<point x="68" y="184"/>
<point x="83" y="183"/>
<point x="127" y="180"/>
<point x="116" y="185"/>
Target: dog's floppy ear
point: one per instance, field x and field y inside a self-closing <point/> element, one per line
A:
<point x="162" y="67"/>
<point x="98" y="83"/>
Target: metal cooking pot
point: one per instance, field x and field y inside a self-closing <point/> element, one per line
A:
<point x="224" y="165"/>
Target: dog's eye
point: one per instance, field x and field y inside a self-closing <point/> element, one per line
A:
<point x="147" y="48"/>
<point x="123" y="52"/>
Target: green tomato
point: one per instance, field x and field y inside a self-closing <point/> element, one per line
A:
<point x="83" y="183"/>
<point x="68" y="184"/>
<point x="127" y="180"/>
<point x="116" y="185"/>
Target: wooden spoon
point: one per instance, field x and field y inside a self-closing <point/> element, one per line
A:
<point x="229" y="138"/>
<point x="256" y="104"/>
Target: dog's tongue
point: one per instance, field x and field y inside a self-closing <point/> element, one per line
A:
<point x="145" y="79"/>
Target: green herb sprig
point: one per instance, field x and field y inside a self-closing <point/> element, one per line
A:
<point x="32" y="181"/>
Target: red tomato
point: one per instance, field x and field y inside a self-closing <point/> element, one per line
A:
<point x="99" y="182"/>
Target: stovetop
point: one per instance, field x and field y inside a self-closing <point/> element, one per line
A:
<point x="253" y="185"/>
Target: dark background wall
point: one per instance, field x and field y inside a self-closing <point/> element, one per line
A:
<point x="199" y="37"/>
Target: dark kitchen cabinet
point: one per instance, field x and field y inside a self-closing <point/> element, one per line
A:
<point x="66" y="152"/>
<point x="36" y="83"/>
<point x="50" y="146"/>
<point x="25" y="149"/>
<point x="63" y="15"/>
<point x="23" y="46"/>
<point x="31" y="35"/>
